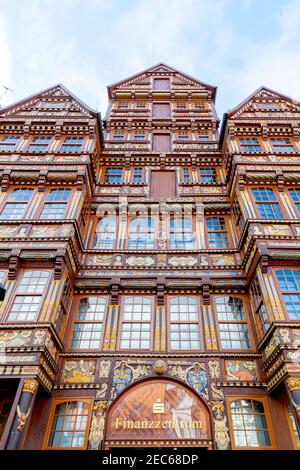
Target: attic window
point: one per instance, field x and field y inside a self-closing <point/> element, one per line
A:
<point x="269" y="106"/>
<point x="53" y="105"/>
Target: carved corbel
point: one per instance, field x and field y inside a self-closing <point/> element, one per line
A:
<point x="280" y="181"/>
<point x="242" y="180"/>
<point x="231" y="131"/>
<point x="264" y="132"/>
<point x="26" y="129"/>
<point x="91" y="127"/>
<point x="295" y="130"/>
<point x="114" y="293"/>
<point x="13" y="264"/>
<point x="59" y="264"/>
<point x="58" y="131"/>
<point x="162" y="161"/>
<point x="42" y="180"/>
<point x="206" y="292"/>
<point x="160" y="294"/>
<point x="80" y="180"/>
<point x="5" y="180"/>
<point x="264" y="263"/>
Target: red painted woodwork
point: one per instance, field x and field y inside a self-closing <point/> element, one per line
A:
<point x="163" y="184"/>
<point x="161" y="110"/>
<point x="161" y="142"/>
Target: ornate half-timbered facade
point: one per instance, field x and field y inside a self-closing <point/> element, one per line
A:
<point x="151" y="267"/>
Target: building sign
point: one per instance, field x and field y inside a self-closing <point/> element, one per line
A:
<point x="158" y="409"/>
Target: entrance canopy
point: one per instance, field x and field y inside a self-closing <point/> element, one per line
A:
<point x="158" y="412"/>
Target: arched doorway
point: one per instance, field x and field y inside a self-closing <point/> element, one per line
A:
<point x="158" y="413"/>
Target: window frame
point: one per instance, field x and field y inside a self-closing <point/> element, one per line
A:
<point x="74" y="321"/>
<point x="34" y="144"/>
<point x="182" y="322"/>
<point x="188" y="174"/>
<point x="132" y="175"/>
<point x="15" y="294"/>
<point x="105" y="176"/>
<point x="287" y="145"/>
<point x="45" y="201"/>
<point x="227" y="231"/>
<point x="264" y="401"/>
<point x="60" y="401"/>
<point x="72" y="144"/>
<point x="28" y="203"/>
<point x="296" y="204"/>
<point x="150" y="322"/>
<point x="174" y="216"/>
<point x="290" y="425"/>
<point x="94" y="231"/>
<point x="242" y="146"/>
<point x="256" y="204"/>
<point x="246" y="322"/>
<point x="287" y="292"/>
<point x="216" y="175"/>
<point x="155" y="230"/>
<point x="11" y="147"/>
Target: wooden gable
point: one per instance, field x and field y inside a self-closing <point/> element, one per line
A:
<point x="55" y="102"/>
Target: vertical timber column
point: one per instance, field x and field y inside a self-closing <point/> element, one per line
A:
<point x="270" y="295"/>
<point x="123" y="206"/>
<point x="110" y="338"/>
<point x="160" y="332"/>
<point x="24" y="409"/>
<point x="293" y="388"/>
<point x="209" y="325"/>
<point x="200" y="229"/>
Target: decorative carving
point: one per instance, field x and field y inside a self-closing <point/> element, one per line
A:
<point x="272" y="345"/>
<point x="181" y="261"/>
<point x="140" y="261"/>
<point x="221" y="431"/>
<point x="196" y="377"/>
<point x="103" y="260"/>
<point x="122" y="377"/>
<point x="241" y="370"/>
<point x="39" y="337"/>
<point x="222" y="260"/>
<point x="293" y="383"/>
<point x="285" y="335"/>
<point x="214" y="369"/>
<point x="98" y="424"/>
<point x="160" y="367"/>
<point x="30" y="386"/>
<point x="78" y="371"/>
<point x="104" y="369"/>
<point x="22" y="418"/>
<point x="217" y="393"/>
<point x="14" y="338"/>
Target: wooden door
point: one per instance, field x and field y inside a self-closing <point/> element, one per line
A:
<point x="163" y="184"/>
<point x="161" y="84"/>
<point x="161" y="110"/>
<point x="162" y="143"/>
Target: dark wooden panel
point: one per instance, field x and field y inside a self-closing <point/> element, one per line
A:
<point x="161" y="142"/>
<point x="161" y="110"/>
<point x="161" y="84"/>
<point x="163" y="184"/>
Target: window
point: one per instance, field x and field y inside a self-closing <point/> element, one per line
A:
<point x="72" y="145"/>
<point x="203" y="136"/>
<point x="137" y="177"/>
<point x="141" y="232"/>
<point x="237" y="212"/>
<point x="136" y="326"/>
<point x="232" y="323"/>
<point x="113" y="175"/>
<point x="282" y="145"/>
<point x="293" y="427"/>
<point x="183" y="135"/>
<point x="295" y="195"/>
<point x="259" y="308"/>
<point x="267" y="203"/>
<point x="39" y="144"/>
<point x="250" y="145"/>
<point x="141" y="105"/>
<point x="105" y="235"/>
<point x="69" y="425"/>
<point x="186" y="176"/>
<point x="29" y="295"/>
<point x="56" y="204"/>
<point x="249" y="424"/>
<point x="139" y="135"/>
<point x="123" y="105"/>
<point x="289" y="283"/>
<point x="181" y="105"/>
<point x="9" y="143"/>
<point x="199" y="105"/>
<point x="181" y="232"/>
<point x="89" y="323"/>
<point x="119" y="136"/>
<point x="184" y="323"/>
<point x="208" y="175"/>
<point x="16" y="204"/>
<point x="216" y="232"/>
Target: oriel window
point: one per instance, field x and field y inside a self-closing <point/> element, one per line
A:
<point x="216" y="232"/>
<point x="141" y="232"/>
<point x="72" y="145"/>
<point x="105" y="234"/>
<point x="56" y="204"/>
<point x="39" y="144"/>
<point x="289" y="283"/>
<point x="137" y="177"/>
<point x="69" y="427"/>
<point x="233" y="328"/>
<point x="9" y="143"/>
<point x="259" y="308"/>
<point x="249" y="424"/>
<point x="184" y="323"/>
<point x="16" y="203"/>
<point x="136" y="325"/>
<point x="113" y="175"/>
<point x="267" y="204"/>
<point x="29" y="295"/>
<point x="250" y="145"/>
<point x="88" y="326"/>
<point x="181" y="232"/>
<point x="208" y="175"/>
<point x="282" y="145"/>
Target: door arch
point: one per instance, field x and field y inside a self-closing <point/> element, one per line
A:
<point x="158" y="412"/>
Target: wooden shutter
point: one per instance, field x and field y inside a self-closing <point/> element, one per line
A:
<point x="161" y="142"/>
<point x="161" y="84"/>
<point x="163" y="184"/>
<point x="161" y="110"/>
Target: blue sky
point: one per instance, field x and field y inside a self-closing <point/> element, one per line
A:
<point x="236" y="45"/>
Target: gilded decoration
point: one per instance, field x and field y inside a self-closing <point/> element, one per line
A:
<point x="221" y="434"/>
<point x="281" y="230"/>
<point x="243" y="371"/>
<point x="30" y="386"/>
<point x="220" y="260"/>
<point x="272" y="345"/>
<point x="22" y="418"/>
<point x="14" y="338"/>
<point x="195" y="376"/>
<point x="104" y="369"/>
<point x="214" y="369"/>
<point x="140" y="261"/>
<point x="293" y="383"/>
<point x="160" y="367"/>
<point x="181" y="261"/>
<point x="122" y="377"/>
<point x="98" y="425"/>
<point x="78" y="371"/>
<point x="103" y="260"/>
<point x="285" y="335"/>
